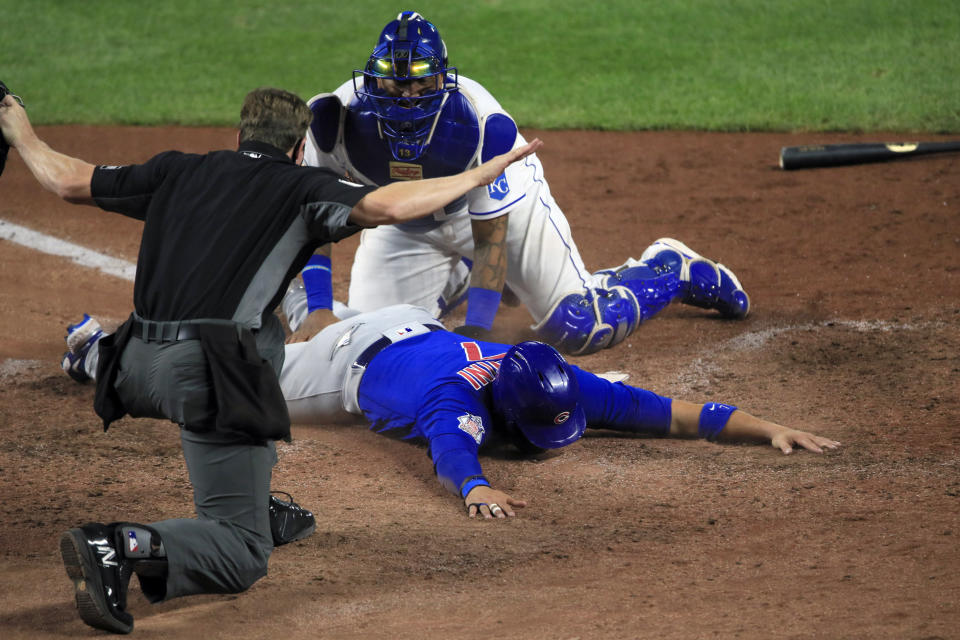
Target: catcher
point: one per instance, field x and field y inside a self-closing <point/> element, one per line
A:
<point x="409" y="377"/>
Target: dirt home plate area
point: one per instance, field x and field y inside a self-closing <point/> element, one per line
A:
<point x="854" y="334"/>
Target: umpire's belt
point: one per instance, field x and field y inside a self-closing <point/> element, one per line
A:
<point x="414" y="329"/>
<point x="176" y="330"/>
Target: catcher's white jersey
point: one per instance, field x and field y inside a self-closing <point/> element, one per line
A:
<point x="413" y="263"/>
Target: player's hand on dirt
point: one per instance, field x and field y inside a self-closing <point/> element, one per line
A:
<point x="788" y="439"/>
<point x="491" y="169"/>
<point x="314" y="323"/>
<point x="489" y="503"/>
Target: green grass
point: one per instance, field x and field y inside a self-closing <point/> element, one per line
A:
<point x="734" y="65"/>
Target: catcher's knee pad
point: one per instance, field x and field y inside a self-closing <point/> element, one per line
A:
<point x="704" y="283"/>
<point x="580" y="324"/>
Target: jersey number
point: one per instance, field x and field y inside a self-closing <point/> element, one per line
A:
<point x="484" y="368"/>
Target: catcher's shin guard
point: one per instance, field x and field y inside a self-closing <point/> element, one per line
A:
<point x="654" y="286"/>
<point x="704" y="283"/>
<point x="583" y="323"/>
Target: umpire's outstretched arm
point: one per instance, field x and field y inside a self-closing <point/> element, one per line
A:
<point x="70" y="177"/>
<point x="407" y="200"/>
<point x="66" y="176"/>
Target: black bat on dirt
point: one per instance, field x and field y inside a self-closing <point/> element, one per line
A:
<point x="832" y="155"/>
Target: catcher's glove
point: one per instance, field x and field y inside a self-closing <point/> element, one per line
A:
<point x="472" y="331"/>
<point x="4" y="147"/>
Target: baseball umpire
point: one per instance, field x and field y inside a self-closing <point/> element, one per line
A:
<point x="414" y="380"/>
<point x="223" y="234"/>
<point x="408" y="115"/>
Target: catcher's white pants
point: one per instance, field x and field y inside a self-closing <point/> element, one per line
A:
<point x="543" y="264"/>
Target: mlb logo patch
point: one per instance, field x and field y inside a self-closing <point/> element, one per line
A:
<point x="498" y="189"/>
<point x="472" y="426"/>
<point x="132" y="544"/>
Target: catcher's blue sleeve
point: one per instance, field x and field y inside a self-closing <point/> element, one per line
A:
<point x="621" y="407"/>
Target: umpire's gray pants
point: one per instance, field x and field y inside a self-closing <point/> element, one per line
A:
<point x="226" y="548"/>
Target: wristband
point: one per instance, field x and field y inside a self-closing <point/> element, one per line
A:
<point x="713" y="418"/>
<point x="471" y="482"/>
<point x="318" y="283"/>
<point x="482" y="307"/>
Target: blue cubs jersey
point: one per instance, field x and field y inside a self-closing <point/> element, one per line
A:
<point x="436" y="388"/>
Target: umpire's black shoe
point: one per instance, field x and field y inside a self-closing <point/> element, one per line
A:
<point x="100" y="577"/>
<point x="288" y="520"/>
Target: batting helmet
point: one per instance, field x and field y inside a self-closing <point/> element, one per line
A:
<point x="537" y="393"/>
<point x="409" y="49"/>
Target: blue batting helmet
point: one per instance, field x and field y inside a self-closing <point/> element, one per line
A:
<point x="409" y="49"/>
<point x="537" y="393"/>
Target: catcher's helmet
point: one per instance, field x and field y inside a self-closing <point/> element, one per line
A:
<point x="537" y="393"/>
<point x="409" y="49"/>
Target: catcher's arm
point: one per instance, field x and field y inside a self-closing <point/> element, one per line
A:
<point x="487" y="276"/>
<point x="686" y="421"/>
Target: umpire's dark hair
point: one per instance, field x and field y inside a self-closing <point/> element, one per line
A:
<point x="274" y="116"/>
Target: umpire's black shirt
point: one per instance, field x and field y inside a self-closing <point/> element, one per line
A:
<point x="224" y="232"/>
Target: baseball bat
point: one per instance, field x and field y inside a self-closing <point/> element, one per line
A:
<point x="832" y="155"/>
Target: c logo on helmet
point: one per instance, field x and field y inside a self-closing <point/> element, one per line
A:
<point x="561" y="417"/>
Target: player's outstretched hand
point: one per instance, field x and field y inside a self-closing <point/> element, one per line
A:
<point x="490" y="503"/>
<point x="789" y="438"/>
<point x="492" y="168"/>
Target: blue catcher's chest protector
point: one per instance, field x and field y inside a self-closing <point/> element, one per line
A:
<point x="453" y="145"/>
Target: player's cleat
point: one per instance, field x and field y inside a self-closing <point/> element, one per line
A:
<point x="80" y="337"/>
<point x="288" y="520"/>
<point x="705" y="283"/>
<point x="100" y="577"/>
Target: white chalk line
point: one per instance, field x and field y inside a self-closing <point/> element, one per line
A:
<point x="54" y="246"/>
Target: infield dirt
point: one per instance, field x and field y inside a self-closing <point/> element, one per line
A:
<point x="854" y="276"/>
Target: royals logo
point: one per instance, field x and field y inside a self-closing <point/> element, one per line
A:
<point x="499" y="188"/>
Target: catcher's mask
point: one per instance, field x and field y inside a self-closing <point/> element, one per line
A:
<point x="537" y="394"/>
<point x="409" y="50"/>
